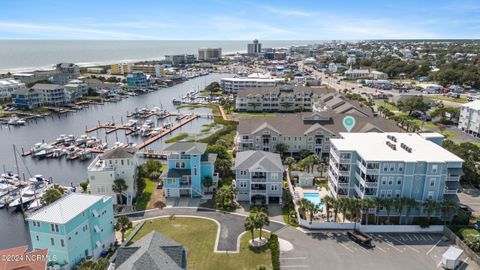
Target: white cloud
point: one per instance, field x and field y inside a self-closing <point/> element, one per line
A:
<point x="287" y="12"/>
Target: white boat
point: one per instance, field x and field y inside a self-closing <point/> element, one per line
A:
<point x="70" y="138"/>
<point x="44" y="152"/>
<point x="61" y="138"/>
<point x="10" y="176"/>
<point x="35" y="204"/>
<point x="38" y="147"/>
<point x="82" y="139"/>
<point x="155" y="131"/>
<point x="39" y="178"/>
<point x="29" y="194"/>
<point x="118" y="144"/>
<point x="132" y="122"/>
<point x="15" y="121"/>
<point x="5" y="189"/>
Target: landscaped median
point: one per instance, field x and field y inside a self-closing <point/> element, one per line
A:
<point x="198" y="235"/>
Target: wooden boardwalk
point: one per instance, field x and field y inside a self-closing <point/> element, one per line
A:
<point x="167" y="131"/>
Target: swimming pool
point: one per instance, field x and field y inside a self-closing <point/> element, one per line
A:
<point x="314" y="198"/>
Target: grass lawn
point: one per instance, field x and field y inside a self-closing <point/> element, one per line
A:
<point x="464" y="232"/>
<point x="142" y="201"/>
<point x="449" y="134"/>
<point x="387" y="106"/>
<point x="289" y="220"/>
<point x="177" y="138"/>
<point x="457" y="100"/>
<point x="198" y="237"/>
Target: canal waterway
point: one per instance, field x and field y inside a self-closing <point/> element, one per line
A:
<point x="13" y="231"/>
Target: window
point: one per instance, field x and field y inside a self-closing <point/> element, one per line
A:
<point x="52" y="241"/>
<point x="397" y="193"/>
<point x="54" y="227"/>
<point x="389" y="193"/>
<point x="430" y="195"/>
<point x="385" y="167"/>
<point x="274" y="176"/>
<point x="399" y="180"/>
<point x="392" y="167"/>
<point x="195" y="170"/>
<point x="434" y="168"/>
<point x="243" y="172"/>
<point x="432" y="182"/>
<point x="400" y="167"/>
<point x="122" y="162"/>
<point x="274" y="187"/>
<point x="62" y="242"/>
<point x="243" y="184"/>
<point x="382" y="194"/>
<point x="384" y="180"/>
<point x="390" y="180"/>
<point x="38" y="238"/>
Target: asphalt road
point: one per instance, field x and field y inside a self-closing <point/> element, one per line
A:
<point x="231" y="225"/>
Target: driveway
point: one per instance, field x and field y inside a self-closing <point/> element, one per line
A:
<point x="470" y="196"/>
<point x="231" y="225"/>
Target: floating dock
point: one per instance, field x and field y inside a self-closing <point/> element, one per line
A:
<point x="167" y="131"/>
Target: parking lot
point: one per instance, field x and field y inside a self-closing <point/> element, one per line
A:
<point x="334" y="250"/>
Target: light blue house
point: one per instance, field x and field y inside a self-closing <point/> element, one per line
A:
<point x="189" y="168"/>
<point x="393" y="165"/>
<point x="138" y="79"/>
<point x="76" y="227"/>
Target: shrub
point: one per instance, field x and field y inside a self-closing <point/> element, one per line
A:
<point x="423" y="222"/>
<point x="274" y="248"/>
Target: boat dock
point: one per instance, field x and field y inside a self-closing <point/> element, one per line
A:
<point x="153" y="154"/>
<point x="167" y="131"/>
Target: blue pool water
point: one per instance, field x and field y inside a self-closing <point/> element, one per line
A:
<point x="314" y="198"/>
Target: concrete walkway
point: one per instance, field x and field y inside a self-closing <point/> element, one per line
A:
<point x="231" y="225"/>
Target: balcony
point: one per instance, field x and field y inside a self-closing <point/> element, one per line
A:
<point x="450" y="191"/>
<point x="335" y="156"/>
<point x="360" y="165"/>
<point x="246" y="140"/>
<point x="452" y="178"/>
<point x="261" y="179"/>
<point x="368" y="184"/>
<point x="178" y="156"/>
<point x="258" y="191"/>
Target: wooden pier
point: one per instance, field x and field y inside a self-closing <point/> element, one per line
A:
<point x="154" y="154"/>
<point x="167" y="131"/>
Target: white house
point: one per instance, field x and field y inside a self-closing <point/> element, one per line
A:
<point x="469" y="120"/>
<point x="117" y="163"/>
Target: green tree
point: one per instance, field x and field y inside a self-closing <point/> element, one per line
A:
<point x="367" y="204"/>
<point x="224" y="167"/>
<point x="281" y="148"/>
<point x="250" y="224"/>
<point x="261" y="220"/>
<point x="218" y="149"/>
<point x="328" y="204"/>
<point x="101" y="264"/>
<point x="473" y="242"/>
<point x="119" y="186"/>
<point x="122" y="225"/>
<point x="430" y="207"/>
<point x="289" y="161"/>
<point x="52" y="194"/>
<point x="84" y="185"/>
<point x="410" y="204"/>
<point x="413" y="103"/>
<point x="448" y="208"/>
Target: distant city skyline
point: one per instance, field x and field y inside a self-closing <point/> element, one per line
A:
<point x="240" y="20"/>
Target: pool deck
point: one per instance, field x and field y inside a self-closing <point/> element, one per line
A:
<point x="323" y="192"/>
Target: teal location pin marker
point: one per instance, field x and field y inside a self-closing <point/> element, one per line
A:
<point x="348" y="122"/>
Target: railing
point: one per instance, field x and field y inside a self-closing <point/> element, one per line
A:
<point x="370" y="184"/>
<point x="178" y="156"/>
<point x="258" y="191"/>
<point x="453" y="178"/>
<point x="334" y="155"/>
<point x="246" y="140"/>
<point x="450" y="191"/>
<point x="260" y="179"/>
<point x="358" y="190"/>
<point x="372" y="171"/>
<point x="360" y="165"/>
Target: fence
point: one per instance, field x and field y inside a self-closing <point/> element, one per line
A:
<point x="457" y="241"/>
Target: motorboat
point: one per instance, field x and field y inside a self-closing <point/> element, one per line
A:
<point x="132" y="122"/>
<point x="38" y="147"/>
<point x="15" y="121"/>
<point x="118" y="144"/>
<point x="39" y="178"/>
<point x="82" y="139"/>
<point x="58" y="152"/>
<point x="10" y="176"/>
<point x="36" y="203"/>
<point x="44" y="152"/>
<point x="5" y="189"/>
<point x="70" y="138"/>
<point x="29" y="194"/>
<point x="155" y="132"/>
<point x="61" y="138"/>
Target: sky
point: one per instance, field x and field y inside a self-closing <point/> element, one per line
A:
<point x="239" y="20"/>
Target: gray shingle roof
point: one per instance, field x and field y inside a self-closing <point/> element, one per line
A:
<point x="293" y="124"/>
<point x="119" y="152"/>
<point x="153" y="251"/>
<point x="192" y="148"/>
<point x="46" y="86"/>
<point x="250" y="160"/>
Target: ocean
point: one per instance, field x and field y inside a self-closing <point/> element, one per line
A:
<point x="28" y="55"/>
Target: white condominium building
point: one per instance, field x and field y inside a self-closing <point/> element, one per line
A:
<point x="469" y="120"/>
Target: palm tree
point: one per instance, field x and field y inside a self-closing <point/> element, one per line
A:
<point x="388" y="205"/>
<point x="367" y="203"/>
<point x="313" y="208"/>
<point x="321" y="168"/>
<point x="378" y="204"/>
<point x="119" y="186"/>
<point x="303" y="206"/>
<point x="355" y="209"/>
<point x="250" y="225"/>
<point x="261" y="219"/>
<point x="289" y="161"/>
<point x="344" y="205"/>
<point x="410" y="204"/>
<point x="122" y="225"/>
<point x="430" y="207"/>
<point x="328" y="204"/>
<point x="281" y="148"/>
<point x="398" y="204"/>
<point x="335" y="205"/>
<point x="448" y="208"/>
